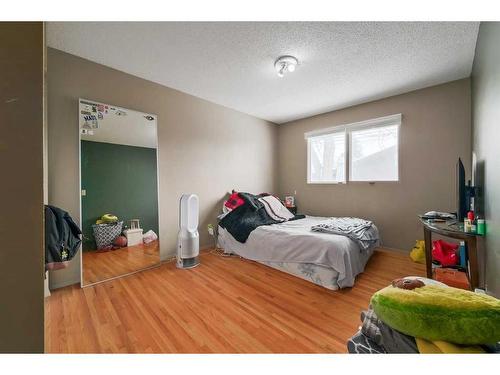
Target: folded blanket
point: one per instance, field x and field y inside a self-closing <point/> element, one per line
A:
<point x="391" y="340"/>
<point x="358" y="230"/>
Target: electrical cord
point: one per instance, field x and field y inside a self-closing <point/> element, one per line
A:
<point x="169" y="260"/>
<point x="217" y="250"/>
<point x="220" y="252"/>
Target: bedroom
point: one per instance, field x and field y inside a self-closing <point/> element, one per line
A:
<point x="273" y="129"/>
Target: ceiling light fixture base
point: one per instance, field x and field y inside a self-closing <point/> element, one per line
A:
<point x="285" y="64"/>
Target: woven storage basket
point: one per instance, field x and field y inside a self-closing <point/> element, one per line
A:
<point x="105" y="234"/>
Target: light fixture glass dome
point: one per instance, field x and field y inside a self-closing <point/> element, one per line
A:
<point x="284" y="64"/>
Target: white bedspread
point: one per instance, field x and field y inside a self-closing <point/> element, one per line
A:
<point x="294" y="241"/>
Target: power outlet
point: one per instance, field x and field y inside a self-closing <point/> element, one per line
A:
<point x="210" y="228"/>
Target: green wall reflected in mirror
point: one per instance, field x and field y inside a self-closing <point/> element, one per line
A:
<point x="121" y="180"/>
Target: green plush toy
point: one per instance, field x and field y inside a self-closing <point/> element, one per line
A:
<point x="439" y="313"/>
<point x="109" y="218"/>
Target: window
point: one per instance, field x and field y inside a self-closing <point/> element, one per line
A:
<point x="369" y="148"/>
<point x="373" y="154"/>
<point x="327" y="158"/>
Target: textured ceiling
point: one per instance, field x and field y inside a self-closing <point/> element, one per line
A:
<point x="231" y="63"/>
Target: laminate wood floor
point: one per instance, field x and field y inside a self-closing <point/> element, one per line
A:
<point x="226" y="305"/>
<point x="98" y="266"/>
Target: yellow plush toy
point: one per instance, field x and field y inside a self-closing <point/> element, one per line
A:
<point x="417" y="254"/>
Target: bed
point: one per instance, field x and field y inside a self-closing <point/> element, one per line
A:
<point x="329" y="260"/>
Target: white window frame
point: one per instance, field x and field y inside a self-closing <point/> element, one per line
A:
<point x="395" y="119"/>
<point x="309" y="181"/>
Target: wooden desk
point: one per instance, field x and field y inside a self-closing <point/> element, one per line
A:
<point x="452" y="231"/>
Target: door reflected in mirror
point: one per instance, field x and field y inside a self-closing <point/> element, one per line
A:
<point x="119" y="191"/>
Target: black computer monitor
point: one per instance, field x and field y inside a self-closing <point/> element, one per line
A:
<point x="461" y="191"/>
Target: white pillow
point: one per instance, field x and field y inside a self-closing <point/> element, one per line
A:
<point x="275" y="208"/>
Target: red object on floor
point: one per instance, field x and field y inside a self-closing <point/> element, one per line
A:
<point x="452" y="277"/>
<point x="445" y="252"/>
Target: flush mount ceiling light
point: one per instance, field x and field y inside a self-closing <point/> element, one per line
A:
<point x="285" y="64"/>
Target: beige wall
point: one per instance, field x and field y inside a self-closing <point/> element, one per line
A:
<point x="435" y="131"/>
<point x="21" y="190"/>
<point x="486" y="115"/>
<point x="204" y="148"/>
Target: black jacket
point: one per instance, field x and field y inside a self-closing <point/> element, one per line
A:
<point x="62" y="238"/>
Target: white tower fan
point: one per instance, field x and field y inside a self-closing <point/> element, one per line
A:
<point x="188" y="240"/>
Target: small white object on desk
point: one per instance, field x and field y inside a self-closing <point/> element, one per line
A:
<point x="134" y="236"/>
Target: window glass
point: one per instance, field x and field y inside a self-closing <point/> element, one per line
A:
<point x="373" y="154"/>
<point x="327" y="157"/>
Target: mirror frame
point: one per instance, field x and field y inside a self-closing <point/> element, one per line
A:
<point x="82" y="285"/>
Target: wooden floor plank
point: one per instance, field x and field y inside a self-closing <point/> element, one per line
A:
<point x="103" y="265"/>
<point x="226" y="305"/>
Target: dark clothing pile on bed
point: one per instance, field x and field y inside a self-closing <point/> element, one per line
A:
<point x="242" y="220"/>
<point x="359" y="230"/>
<point x="376" y="337"/>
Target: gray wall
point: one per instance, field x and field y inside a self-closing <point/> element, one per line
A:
<point x="204" y="148"/>
<point x="435" y="131"/>
<point x="486" y="128"/>
<point x="21" y="190"/>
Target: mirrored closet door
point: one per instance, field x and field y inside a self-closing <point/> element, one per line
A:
<point x="119" y="191"/>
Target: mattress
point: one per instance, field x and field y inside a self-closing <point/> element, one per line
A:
<point x="319" y="275"/>
<point x="292" y="247"/>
